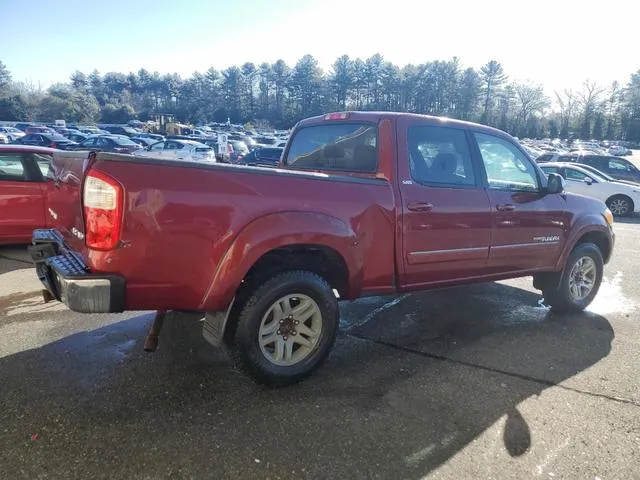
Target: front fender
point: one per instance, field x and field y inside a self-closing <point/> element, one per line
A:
<point x="279" y="230"/>
<point x="588" y="223"/>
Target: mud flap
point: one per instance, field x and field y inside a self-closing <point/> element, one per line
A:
<point x="214" y="325"/>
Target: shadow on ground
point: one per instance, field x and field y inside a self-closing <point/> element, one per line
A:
<point x="632" y="219"/>
<point x="399" y="396"/>
<point x="14" y="258"/>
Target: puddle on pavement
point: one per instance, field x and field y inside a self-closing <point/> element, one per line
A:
<point x="610" y="298"/>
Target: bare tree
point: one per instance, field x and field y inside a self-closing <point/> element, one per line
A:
<point x="530" y="100"/>
<point x="590" y="100"/>
<point x="567" y="102"/>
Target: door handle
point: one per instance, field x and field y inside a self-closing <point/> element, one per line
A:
<point x="505" y="207"/>
<point x="420" y="207"/>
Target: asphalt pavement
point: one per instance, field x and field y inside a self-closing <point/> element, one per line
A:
<point x="474" y="382"/>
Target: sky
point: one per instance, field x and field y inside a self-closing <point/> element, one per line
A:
<point x="558" y="44"/>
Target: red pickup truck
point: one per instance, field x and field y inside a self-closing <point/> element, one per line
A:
<point x="362" y="204"/>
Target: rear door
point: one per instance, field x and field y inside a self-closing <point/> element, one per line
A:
<point x="527" y="224"/>
<point x="446" y="219"/>
<point x="22" y="204"/>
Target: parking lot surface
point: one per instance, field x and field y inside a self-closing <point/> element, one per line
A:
<point x="472" y="382"/>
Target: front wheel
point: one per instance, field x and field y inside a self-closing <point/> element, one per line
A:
<point x="286" y="328"/>
<point x="579" y="282"/>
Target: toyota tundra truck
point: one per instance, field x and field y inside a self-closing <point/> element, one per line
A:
<point x="362" y="203"/>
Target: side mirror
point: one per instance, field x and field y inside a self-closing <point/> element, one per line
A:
<point x="588" y="180"/>
<point x="555" y="183"/>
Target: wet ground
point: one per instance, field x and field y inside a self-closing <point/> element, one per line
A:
<point x="473" y="382"/>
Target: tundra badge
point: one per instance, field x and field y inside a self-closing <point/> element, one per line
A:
<point x="547" y="239"/>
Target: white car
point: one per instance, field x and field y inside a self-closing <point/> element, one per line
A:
<point x="188" y="150"/>
<point x="11" y="133"/>
<point x="622" y="198"/>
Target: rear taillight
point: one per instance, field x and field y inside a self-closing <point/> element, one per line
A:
<point x="53" y="145"/>
<point x="102" y="199"/>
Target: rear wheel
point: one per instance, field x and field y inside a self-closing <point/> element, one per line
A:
<point x="579" y="282"/>
<point x="620" y="205"/>
<point x="286" y="328"/>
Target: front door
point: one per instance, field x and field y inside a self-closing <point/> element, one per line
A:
<point x="446" y="220"/>
<point x="528" y="224"/>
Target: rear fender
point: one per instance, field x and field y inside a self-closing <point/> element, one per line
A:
<point x="275" y="231"/>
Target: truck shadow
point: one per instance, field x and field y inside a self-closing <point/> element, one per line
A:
<point x="399" y="396"/>
<point x="14" y="258"/>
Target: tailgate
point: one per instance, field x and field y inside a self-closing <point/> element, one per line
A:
<point x="64" y="199"/>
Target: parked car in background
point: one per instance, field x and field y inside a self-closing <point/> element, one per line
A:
<point x="188" y="150"/>
<point x="4" y="139"/>
<point x="144" y="141"/>
<point x="121" y="130"/>
<point x="263" y="141"/>
<point x="109" y="143"/>
<point x="11" y="133"/>
<point x="23" y="125"/>
<point x="23" y="192"/>
<point x="616" y="150"/>
<point x="248" y="140"/>
<point x="222" y="157"/>
<point x="618" y="168"/>
<point x="90" y="130"/>
<point x="155" y="136"/>
<point x="621" y="198"/>
<point x="50" y="140"/>
<point x="77" y="137"/>
<point x="240" y="149"/>
<point x="38" y="129"/>
<point x="264" y="157"/>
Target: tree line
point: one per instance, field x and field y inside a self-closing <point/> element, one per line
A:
<point x="280" y="95"/>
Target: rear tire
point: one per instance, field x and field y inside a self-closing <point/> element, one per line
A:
<point x="620" y="205"/>
<point x="579" y="282"/>
<point x="286" y="328"/>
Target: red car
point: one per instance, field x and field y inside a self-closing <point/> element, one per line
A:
<point x="23" y="191"/>
<point x="363" y="203"/>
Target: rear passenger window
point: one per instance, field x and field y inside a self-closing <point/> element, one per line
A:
<point x="440" y="156"/>
<point x="11" y="168"/>
<point x="347" y="147"/>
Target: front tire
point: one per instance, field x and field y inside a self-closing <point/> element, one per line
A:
<point x="579" y="282"/>
<point x="286" y="328"/>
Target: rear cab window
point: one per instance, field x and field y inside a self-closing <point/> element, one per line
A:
<point x="12" y="167"/>
<point x="346" y="147"/>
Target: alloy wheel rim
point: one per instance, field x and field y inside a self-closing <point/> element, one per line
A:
<point x="290" y="330"/>
<point x="582" y="278"/>
<point x="619" y="207"/>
